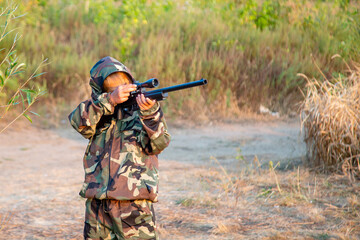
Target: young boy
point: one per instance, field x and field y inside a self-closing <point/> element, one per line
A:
<point x="120" y="162"/>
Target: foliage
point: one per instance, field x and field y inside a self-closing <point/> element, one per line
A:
<point x="250" y="51"/>
<point x="12" y="91"/>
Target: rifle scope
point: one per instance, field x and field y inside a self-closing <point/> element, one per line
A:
<point x="151" y="83"/>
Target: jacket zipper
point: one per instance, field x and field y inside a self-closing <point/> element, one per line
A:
<point x="111" y="145"/>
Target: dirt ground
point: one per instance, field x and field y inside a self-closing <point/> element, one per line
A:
<point x="41" y="175"/>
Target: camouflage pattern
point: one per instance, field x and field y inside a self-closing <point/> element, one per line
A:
<point x="112" y="219"/>
<point x="120" y="161"/>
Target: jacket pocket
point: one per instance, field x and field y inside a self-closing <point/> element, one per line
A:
<point x="99" y="140"/>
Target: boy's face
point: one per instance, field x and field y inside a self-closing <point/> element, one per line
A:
<point x="114" y="80"/>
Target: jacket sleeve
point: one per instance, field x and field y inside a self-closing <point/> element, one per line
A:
<point x="85" y="117"/>
<point x="154" y="124"/>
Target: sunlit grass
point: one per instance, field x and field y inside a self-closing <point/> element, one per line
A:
<point x="330" y="119"/>
<point x="250" y="52"/>
<point x="297" y="203"/>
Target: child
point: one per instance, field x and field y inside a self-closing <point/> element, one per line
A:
<point x="120" y="162"/>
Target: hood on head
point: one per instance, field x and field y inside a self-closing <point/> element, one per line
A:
<point x="103" y="68"/>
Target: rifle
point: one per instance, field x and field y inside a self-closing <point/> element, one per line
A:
<point x="158" y="94"/>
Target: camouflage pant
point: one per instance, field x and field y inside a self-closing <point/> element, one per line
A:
<point x="112" y="219"/>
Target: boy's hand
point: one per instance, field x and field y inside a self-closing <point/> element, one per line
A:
<point x="122" y="93"/>
<point x="144" y="103"/>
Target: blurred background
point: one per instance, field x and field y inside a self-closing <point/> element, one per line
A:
<point x="250" y="51"/>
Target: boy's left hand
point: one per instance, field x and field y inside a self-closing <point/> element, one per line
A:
<point x="144" y="103"/>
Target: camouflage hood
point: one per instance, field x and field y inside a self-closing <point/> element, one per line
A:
<point x="103" y="68"/>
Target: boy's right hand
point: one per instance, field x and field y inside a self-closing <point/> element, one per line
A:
<point x="121" y="93"/>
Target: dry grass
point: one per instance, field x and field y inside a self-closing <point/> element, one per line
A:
<point x="4" y="220"/>
<point x="262" y="204"/>
<point x="330" y="120"/>
<point x="175" y="42"/>
<point x="199" y="203"/>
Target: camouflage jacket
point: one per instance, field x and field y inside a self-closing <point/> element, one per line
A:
<point x="120" y="161"/>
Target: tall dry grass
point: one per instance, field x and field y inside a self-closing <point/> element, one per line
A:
<point x="250" y="51"/>
<point x="330" y="120"/>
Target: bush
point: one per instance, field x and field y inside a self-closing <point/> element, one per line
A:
<point x="330" y="120"/>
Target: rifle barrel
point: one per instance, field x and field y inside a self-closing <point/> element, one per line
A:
<point x="182" y="86"/>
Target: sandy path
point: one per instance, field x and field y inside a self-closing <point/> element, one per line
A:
<point x="279" y="141"/>
<point x="41" y="172"/>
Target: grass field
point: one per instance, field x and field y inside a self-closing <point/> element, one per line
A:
<point x="249" y="51"/>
